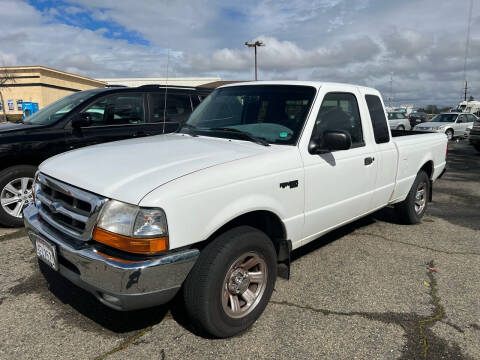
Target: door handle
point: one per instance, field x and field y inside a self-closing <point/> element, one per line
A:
<point x="369" y="160"/>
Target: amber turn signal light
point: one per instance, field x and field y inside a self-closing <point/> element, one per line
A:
<point x="129" y="244"/>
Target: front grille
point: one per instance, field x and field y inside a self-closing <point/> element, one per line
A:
<point x="66" y="208"/>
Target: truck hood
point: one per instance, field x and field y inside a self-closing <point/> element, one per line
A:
<point x="128" y="170"/>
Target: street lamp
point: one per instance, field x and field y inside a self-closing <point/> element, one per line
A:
<point x="254" y="45"/>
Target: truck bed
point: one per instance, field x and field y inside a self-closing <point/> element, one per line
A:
<point x="413" y="152"/>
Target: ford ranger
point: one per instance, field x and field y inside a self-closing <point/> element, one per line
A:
<point x="214" y="210"/>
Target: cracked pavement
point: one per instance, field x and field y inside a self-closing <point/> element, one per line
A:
<point x="364" y="291"/>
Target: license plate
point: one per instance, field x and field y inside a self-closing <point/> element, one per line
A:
<point x="46" y="251"/>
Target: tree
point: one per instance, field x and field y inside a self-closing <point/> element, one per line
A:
<point x="5" y="77"/>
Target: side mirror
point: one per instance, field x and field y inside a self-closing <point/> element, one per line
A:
<point x="332" y="140"/>
<point x="81" y="120"/>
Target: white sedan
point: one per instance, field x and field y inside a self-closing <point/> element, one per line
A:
<point x="398" y="121"/>
<point x="452" y="124"/>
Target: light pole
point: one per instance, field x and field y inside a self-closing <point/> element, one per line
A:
<point x="254" y="45"/>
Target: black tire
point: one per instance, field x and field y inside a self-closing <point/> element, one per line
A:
<point x="400" y="127"/>
<point x="6" y="176"/>
<point x="477" y="147"/>
<point x="205" y="285"/>
<point x="406" y="210"/>
<point x="449" y="134"/>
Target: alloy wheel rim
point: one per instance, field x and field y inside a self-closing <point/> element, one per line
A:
<point x="420" y="198"/>
<point x="449" y="135"/>
<point x="16" y="195"/>
<point x="244" y="285"/>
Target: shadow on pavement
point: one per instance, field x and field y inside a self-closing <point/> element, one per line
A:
<point x="87" y="305"/>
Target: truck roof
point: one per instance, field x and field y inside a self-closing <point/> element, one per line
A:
<point x="316" y="84"/>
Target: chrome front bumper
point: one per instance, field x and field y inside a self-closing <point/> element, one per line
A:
<point x="119" y="285"/>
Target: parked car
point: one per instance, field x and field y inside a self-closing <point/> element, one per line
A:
<point x="398" y="121"/>
<point x="259" y="169"/>
<point x="474" y="135"/>
<point x="452" y="124"/>
<point x="416" y="118"/>
<point x="84" y="118"/>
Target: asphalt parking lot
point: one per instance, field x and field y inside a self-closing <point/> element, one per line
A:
<point x="372" y="290"/>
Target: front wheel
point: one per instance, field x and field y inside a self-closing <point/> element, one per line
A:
<point x="15" y="193"/>
<point x="449" y="134"/>
<point x="400" y="127"/>
<point x="231" y="282"/>
<point x="412" y="209"/>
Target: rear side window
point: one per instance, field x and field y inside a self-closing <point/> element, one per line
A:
<point x="471" y="118"/>
<point x="179" y="107"/>
<point x="379" y="122"/>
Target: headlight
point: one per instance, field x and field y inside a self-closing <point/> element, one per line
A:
<point x="132" y="228"/>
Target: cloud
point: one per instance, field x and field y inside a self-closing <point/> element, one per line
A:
<point x="421" y="43"/>
<point x="284" y="55"/>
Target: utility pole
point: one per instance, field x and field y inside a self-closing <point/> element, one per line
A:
<point x="391" y="90"/>
<point x="467" y="45"/>
<point x="254" y="45"/>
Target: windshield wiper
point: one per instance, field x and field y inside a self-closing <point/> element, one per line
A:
<point x="247" y="135"/>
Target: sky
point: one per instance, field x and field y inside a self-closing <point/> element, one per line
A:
<point x="419" y="44"/>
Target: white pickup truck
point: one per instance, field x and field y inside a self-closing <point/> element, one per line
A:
<point x="215" y="210"/>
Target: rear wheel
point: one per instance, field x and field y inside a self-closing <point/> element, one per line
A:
<point x="412" y="209"/>
<point x="449" y="134"/>
<point x="232" y="282"/>
<point x="477" y="147"/>
<point x="400" y="127"/>
<point x="15" y="193"/>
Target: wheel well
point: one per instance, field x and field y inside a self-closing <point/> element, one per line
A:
<point x="263" y="220"/>
<point x="16" y="162"/>
<point x="272" y="226"/>
<point x="428" y="168"/>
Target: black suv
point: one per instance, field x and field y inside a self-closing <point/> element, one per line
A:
<point x="81" y="119"/>
<point x="416" y="118"/>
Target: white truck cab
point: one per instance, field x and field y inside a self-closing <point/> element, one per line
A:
<point x="214" y="210"/>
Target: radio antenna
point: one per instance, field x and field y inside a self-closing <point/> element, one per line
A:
<point x="166" y="93"/>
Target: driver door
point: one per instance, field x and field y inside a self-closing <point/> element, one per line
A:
<point x="338" y="185"/>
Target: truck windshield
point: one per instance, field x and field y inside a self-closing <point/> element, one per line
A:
<point x="445" y="118"/>
<point x="273" y="113"/>
<point x="58" y="109"/>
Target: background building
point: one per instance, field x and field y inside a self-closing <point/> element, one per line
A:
<point x="133" y="82"/>
<point x="39" y="84"/>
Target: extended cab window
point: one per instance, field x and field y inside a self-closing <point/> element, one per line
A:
<point x="379" y="121"/>
<point x="117" y="109"/>
<point x="339" y="111"/>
